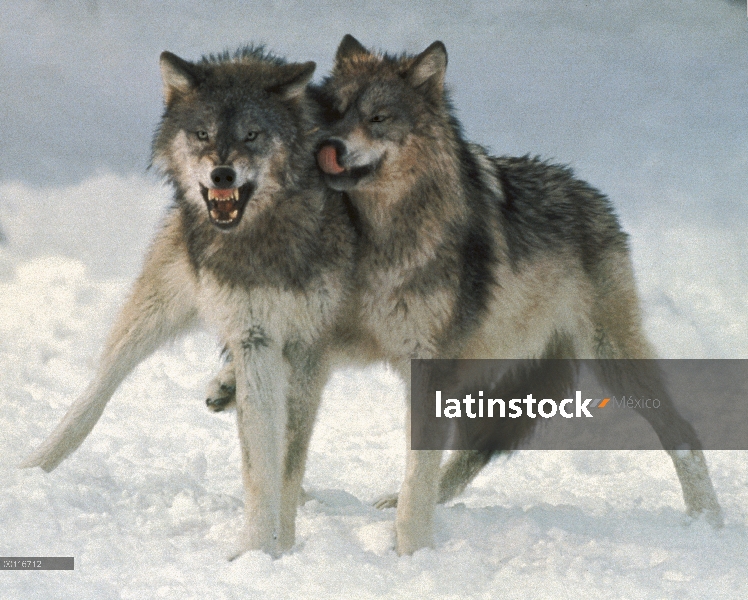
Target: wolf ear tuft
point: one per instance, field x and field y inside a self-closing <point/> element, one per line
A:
<point x="293" y="80"/>
<point x="178" y="75"/>
<point x="349" y="47"/>
<point x="430" y="65"/>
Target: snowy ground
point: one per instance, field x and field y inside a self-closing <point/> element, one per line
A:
<point x="151" y="504"/>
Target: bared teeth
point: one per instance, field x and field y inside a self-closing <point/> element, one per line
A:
<point x="223" y="195"/>
<point x="224" y="210"/>
<point x="222" y="218"/>
<point x="224" y="205"/>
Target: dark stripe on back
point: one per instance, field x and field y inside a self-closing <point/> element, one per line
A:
<point x="476" y="246"/>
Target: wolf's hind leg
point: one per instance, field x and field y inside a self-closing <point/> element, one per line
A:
<point x="698" y="492"/>
<point x="619" y="336"/>
<point x="678" y="437"/>
<point x="548" y="380"/>
<point x="455" y="475"/>
<point x="160" y="306"/>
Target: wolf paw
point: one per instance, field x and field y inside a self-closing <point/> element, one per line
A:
<point x="220" y="395"/>
<point x="226" y="398"/>
<point x="386" y="501"/>
<point x="221" y="392"/>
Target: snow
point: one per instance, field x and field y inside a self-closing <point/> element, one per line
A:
<point x="645" y="100"/>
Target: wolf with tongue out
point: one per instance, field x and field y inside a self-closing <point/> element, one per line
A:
<point x="257" y="249"/>
<point x="466" y="255"/>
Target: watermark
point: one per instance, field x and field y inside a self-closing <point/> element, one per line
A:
<point x="37" y="563"/>
<point x="547" y="408"/>
<point x="491" y="405"/>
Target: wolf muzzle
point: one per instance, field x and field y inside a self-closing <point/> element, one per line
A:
<point x="340" y="177"/>
<point x="226" y="202"/>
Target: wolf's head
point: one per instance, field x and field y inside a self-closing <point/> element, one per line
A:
<point x="384" y="116"/>
<point x="230" y="130"/>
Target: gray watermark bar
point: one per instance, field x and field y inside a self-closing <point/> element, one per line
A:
<point x="37" y="563"/>
<point x="562" y="404"/>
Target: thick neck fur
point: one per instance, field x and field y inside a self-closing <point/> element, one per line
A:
<point x="405" y="220"/>
<point x="438" y="241"/>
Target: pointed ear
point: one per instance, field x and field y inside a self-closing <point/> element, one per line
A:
<point x="431" y="64"/>
<point x="349" y="47"/>
<point x="179" y="76"/>
<point x="293" y="80"/>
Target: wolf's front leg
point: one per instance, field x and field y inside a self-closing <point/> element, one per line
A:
<point x="161" y="305"/>
<point x="309" y="372"/>
<point x="414" y="521"/>
<point x="261" y="387"/>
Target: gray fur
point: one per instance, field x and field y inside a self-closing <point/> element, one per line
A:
<point x="464" y="255"/>
<point x="263" y="258"/>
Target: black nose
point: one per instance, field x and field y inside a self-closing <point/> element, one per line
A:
<point x="223" y="177"/>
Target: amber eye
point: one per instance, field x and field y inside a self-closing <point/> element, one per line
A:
<point x="252" y="136"/>
<point x="202" y="135"/>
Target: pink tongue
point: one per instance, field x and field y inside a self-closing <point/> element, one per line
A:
<point x="327" y="158"/>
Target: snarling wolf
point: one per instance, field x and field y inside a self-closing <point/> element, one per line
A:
<point x="256" y="248"/>
<point x="466" y="255"/>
